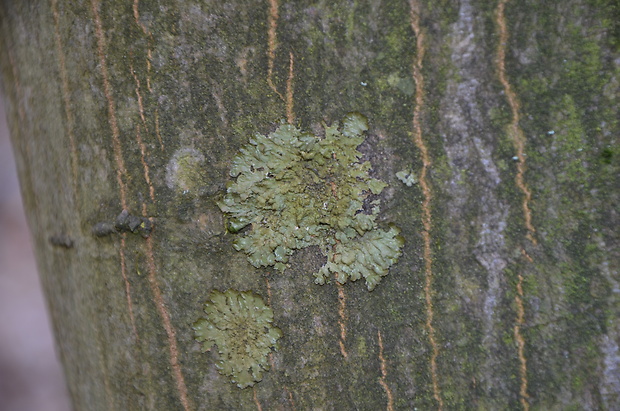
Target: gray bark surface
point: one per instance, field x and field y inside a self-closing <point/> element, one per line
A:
<point x="507" y="294"/>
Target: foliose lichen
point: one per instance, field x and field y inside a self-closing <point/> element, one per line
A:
<point x="406" y="177"/>
<point x="297" y="190"/>
<point x="240" y="324"/>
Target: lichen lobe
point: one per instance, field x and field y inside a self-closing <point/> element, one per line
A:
<point x="240" y="324"/>
<point x="297" y="190"/>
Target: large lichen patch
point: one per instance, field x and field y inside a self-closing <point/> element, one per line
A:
<point x="240" y="324"/>
<point x="297" y="190"/>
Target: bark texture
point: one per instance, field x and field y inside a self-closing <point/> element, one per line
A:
<point x="507" y="295"/>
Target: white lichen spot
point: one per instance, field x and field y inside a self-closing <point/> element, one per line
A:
<point x="240" y="324"/>
<point x="297" y="190"/>
<point x="407" y="177"/>
<point x="184" y="171"/>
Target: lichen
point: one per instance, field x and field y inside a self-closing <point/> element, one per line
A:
<point x="370" y="257"/>
<point x="297" y="190"/>
<point x="240" y="324"/>
<point x="406" y="177"/>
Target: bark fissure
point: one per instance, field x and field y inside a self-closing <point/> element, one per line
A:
<point x="418" y="79"/>
<point x="518" y="137"/>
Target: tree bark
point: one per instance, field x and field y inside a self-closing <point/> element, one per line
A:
<point x="507" y="294"/>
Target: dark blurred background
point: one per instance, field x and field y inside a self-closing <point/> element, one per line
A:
<point x="30" y="375"/>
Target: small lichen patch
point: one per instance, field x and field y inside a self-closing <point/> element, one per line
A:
<point x="240" y="324"/>
<point x="297" y="190"/>
<point x="406" y="177"/>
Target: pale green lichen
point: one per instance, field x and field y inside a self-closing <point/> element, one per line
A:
<point x="298" y="190"/>
<point x="240" y="324"/>
<point x="406" y="177"/>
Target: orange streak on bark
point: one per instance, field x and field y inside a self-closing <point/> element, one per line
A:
<point x="157" y="295"/>
<point x="66" y="96"/>
<point x="290" y="397"/>
<point x="343" y="349"/>
<point x="155" y="289"/>
<point x="116" y="144"/>
<point x="161" y="142"/>
<point x="290" y="115"/>
<point x="149" y="57"/>
<point x="107" y="90"/>
<point x="426" y="190"/>
<point x="382" y="380"/>
<point x="523" y="395"/>
<point x="127" y="287"/>
<point x="342" y="306"/>
<point x="145" y="166"/>
<point x="518" y="137"/>
<point x="139" y="97"/>
<point x="519" y="141"/>
<point x="272" y="43"/>
<point x="526" y="255"/>
<point x="136" y="15"/>
<point x="170" y="331"/>
<point x="258" y="406"/>
<point x="138" y="134"/>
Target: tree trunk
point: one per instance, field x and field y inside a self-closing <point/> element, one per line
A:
<point x="502" y="117"/>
